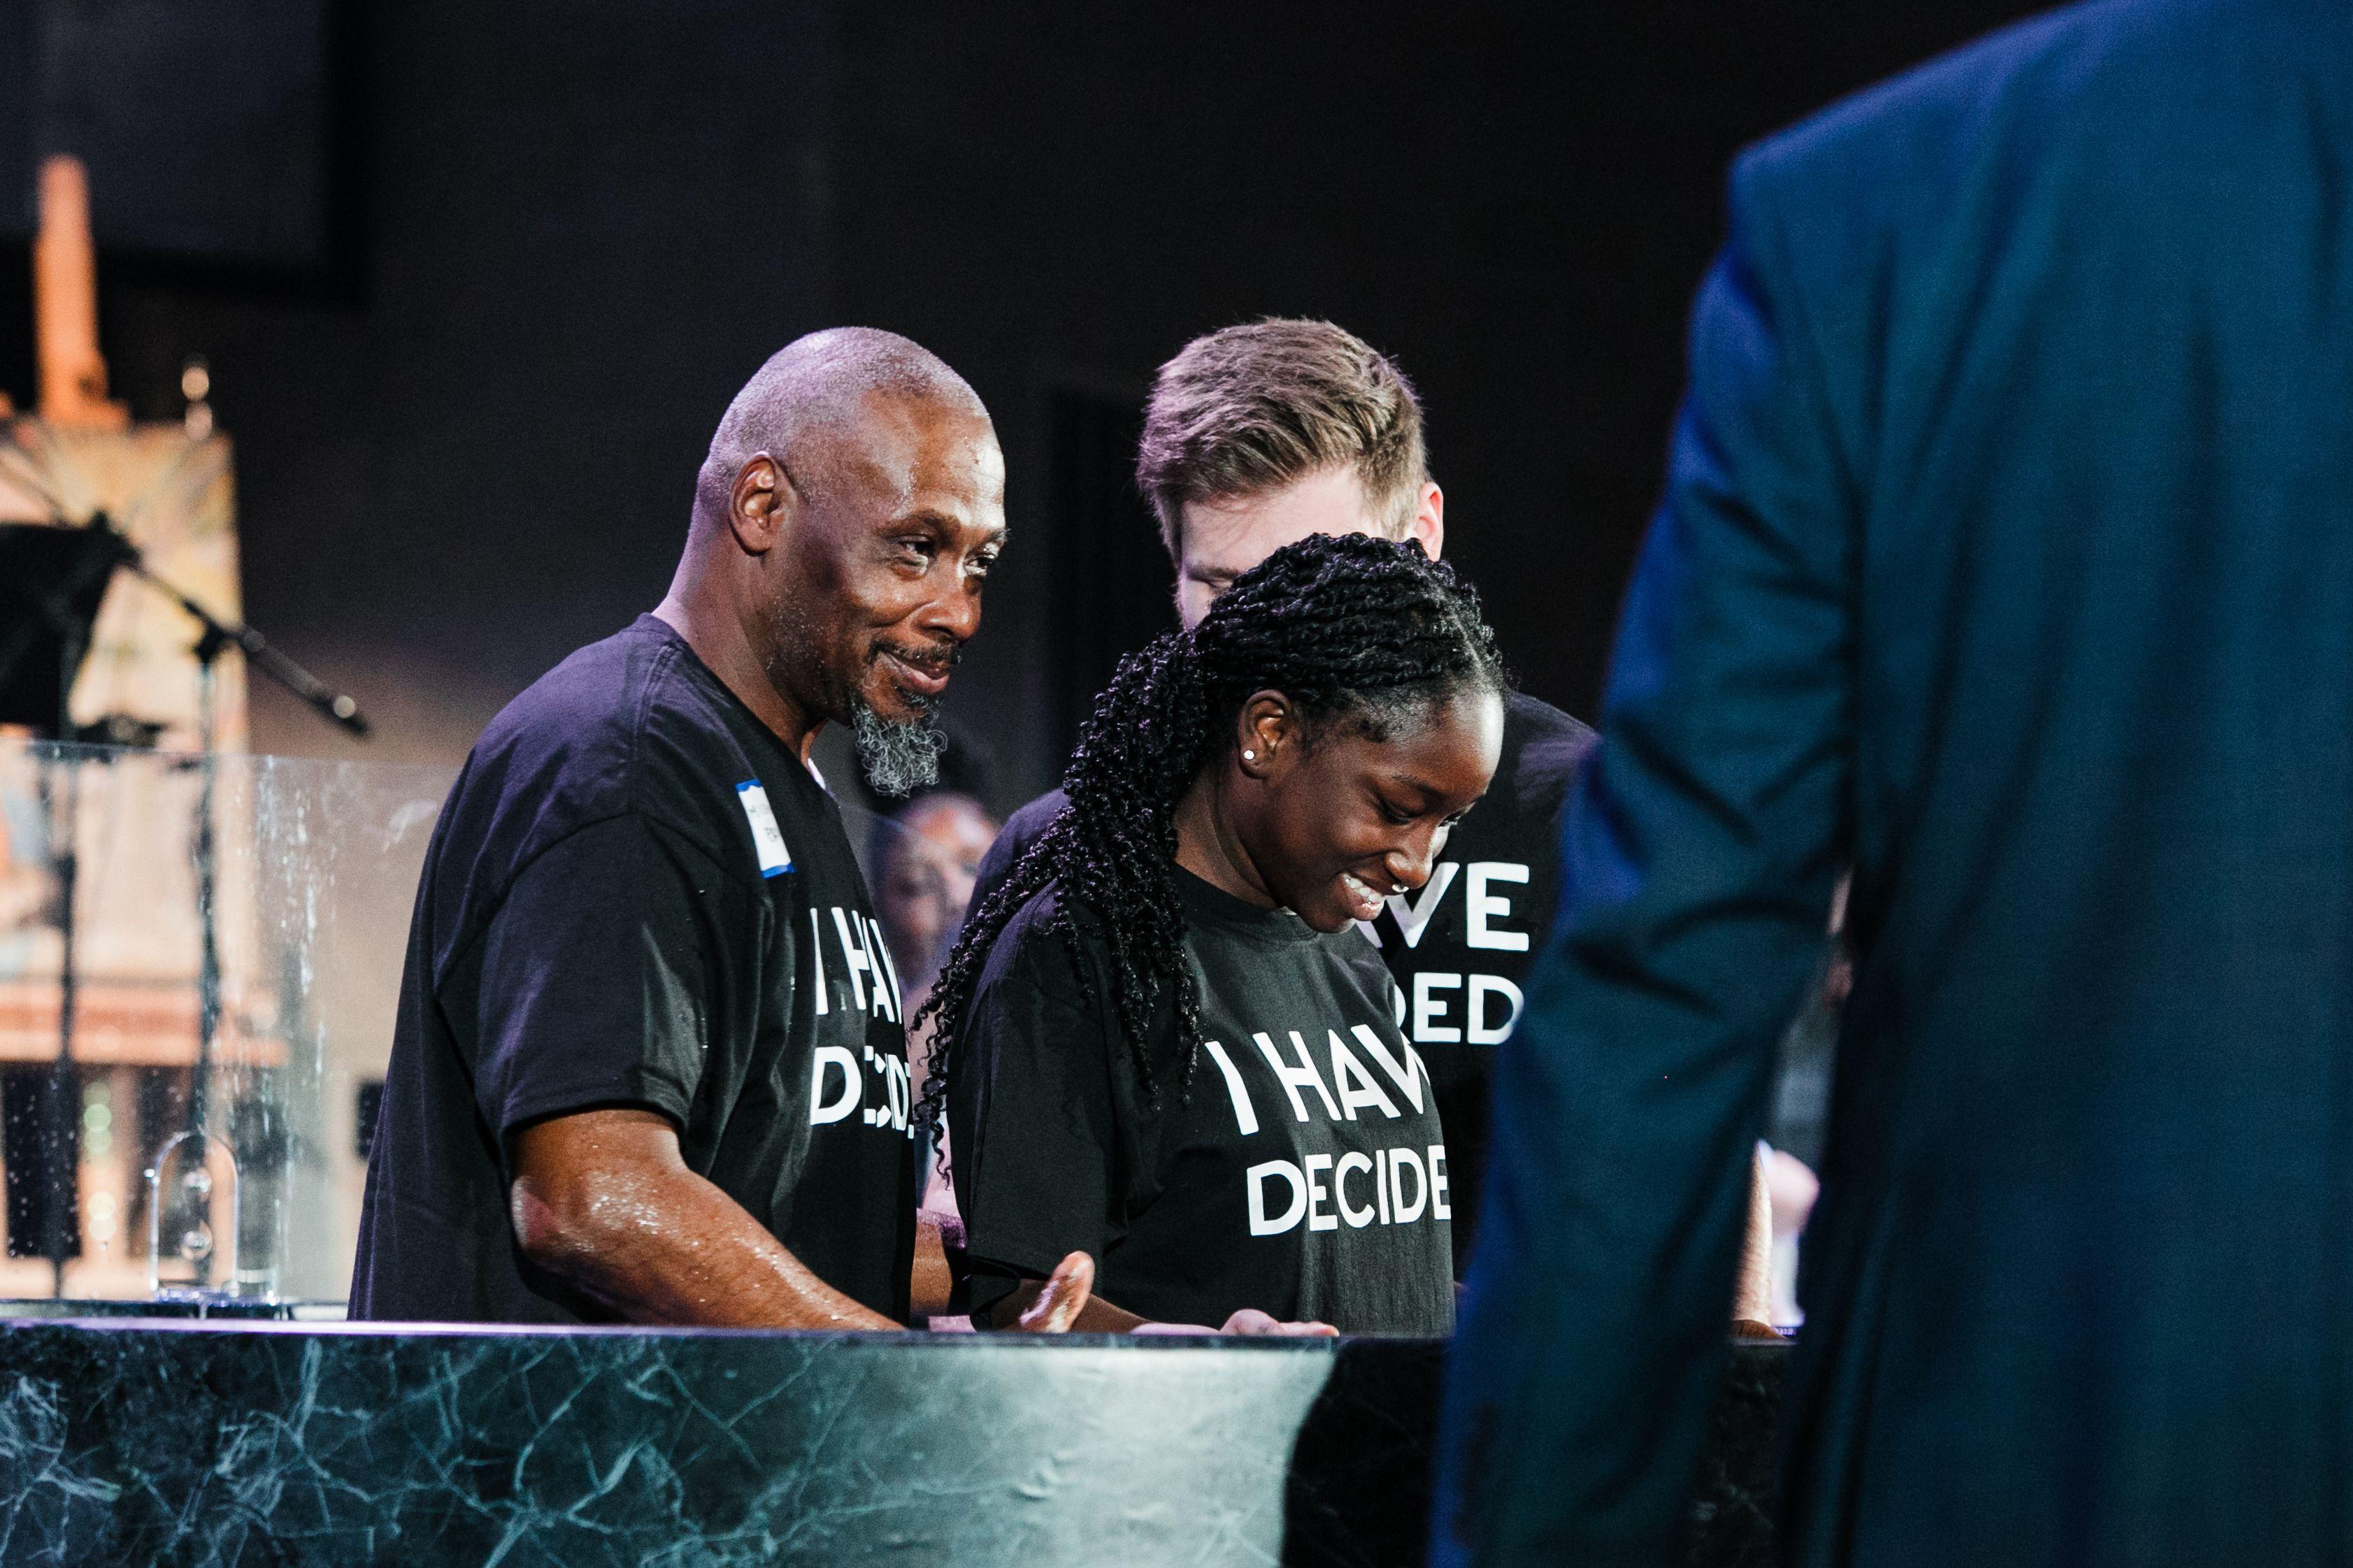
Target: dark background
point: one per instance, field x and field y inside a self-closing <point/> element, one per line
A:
<point x="476" y="281"/>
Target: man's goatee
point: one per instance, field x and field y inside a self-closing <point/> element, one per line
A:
<point x="899" y="758"/>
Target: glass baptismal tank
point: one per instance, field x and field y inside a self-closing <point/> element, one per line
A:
<point x="199" y="958"/>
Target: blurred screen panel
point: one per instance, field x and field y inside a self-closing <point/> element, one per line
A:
<point x="203" y="122"/>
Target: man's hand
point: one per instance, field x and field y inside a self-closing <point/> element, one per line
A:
<point x="602" y="1199"/>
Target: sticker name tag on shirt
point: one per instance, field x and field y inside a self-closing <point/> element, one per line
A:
<point x="775" y="859"/>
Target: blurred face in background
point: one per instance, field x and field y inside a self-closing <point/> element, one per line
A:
<point x="926" y="879"/>
<point x="1224" y="537"/>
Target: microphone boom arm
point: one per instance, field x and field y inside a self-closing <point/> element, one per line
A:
<point x="334" y="706"/>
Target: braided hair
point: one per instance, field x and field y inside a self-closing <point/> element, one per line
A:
<point x="1351" y="628"/>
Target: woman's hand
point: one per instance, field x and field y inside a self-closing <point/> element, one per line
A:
<point x="1250" y="1322"/>
<point x="1066" y="1302"/>
<point x="1061" y="1300"/>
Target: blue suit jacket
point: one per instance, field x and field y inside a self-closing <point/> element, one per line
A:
<point x="2007" y="554"/>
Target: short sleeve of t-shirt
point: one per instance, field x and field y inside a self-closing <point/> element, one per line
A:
<point x="1032" y="1120"/>
<point x="596" y="977"/>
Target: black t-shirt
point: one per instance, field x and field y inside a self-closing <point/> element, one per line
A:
<point x="1304" y="1175"/>
<point x="637" y="896"/>
<point x="1461" y="948"/>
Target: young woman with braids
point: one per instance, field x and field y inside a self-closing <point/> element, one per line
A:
<point x="1162" y="1041"/>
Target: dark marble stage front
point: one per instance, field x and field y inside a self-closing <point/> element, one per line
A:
<point x="212" y="1444"/>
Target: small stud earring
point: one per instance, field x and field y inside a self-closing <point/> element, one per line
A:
<point x="1250" y="756"/>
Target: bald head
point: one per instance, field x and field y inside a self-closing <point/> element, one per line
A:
<point x="844" y="525"/>
<point x="812" y="392"/>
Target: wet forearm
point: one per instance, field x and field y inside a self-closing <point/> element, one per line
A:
<point x="666" y="1246"/>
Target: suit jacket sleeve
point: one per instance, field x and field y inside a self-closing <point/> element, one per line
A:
<point x="1698" y="857"/>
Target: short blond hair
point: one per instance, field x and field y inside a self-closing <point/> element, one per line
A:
<point x="1252" y="408"/>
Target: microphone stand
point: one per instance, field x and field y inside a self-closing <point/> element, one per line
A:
<point x="335" y="707"/>
<point x="64" y="608"/>
<point x="110" y="550"/>
<point x="58" y="1112"/>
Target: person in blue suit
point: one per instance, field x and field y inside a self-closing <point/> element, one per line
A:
<point x="2006" y="555"/>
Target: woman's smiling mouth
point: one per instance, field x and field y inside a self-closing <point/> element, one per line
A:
<point x="1363" y="902"/>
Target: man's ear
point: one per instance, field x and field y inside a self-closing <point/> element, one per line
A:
<point x="1427" y="527"/>
<point x="760" y="503"/>
<point x="1268" y="734"/>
